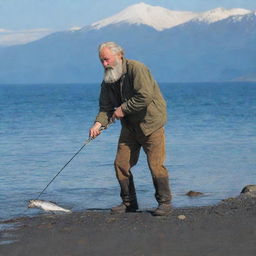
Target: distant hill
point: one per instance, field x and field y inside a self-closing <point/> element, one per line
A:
<point x="218" y="45"/>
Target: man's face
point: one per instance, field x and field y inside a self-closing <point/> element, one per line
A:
<point x="112" y="64"/>
<point x="108" y="59"/>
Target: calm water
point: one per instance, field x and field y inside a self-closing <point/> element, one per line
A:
<point x="211" y="146"/>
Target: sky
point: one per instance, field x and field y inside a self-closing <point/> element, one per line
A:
<point x="25" y="20"/>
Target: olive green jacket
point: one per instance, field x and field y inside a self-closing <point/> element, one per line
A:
<point x="141" y="99"/>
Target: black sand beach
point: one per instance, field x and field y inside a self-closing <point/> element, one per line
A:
<point x="226" y="229"/>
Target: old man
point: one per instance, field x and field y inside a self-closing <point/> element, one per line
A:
<point x="130" y="94"/>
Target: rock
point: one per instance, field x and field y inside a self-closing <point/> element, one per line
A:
<point x="194" y="193"/>
<point x="181" y="217"/>
<point x="249" y="190"/>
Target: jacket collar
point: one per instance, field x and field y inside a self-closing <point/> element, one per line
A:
<point x="124" y="65"/>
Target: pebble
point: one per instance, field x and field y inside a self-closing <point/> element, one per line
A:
<point x="181" y="217"/>
<point x="249" y="189"/>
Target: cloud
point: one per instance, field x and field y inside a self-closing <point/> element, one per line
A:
<point x="14" y="37"/>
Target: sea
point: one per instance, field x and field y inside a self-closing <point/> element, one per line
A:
<point x="210" y="143"/>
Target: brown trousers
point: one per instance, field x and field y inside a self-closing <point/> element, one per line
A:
<point x="130" y="142"/>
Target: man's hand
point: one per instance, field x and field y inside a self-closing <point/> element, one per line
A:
<point x="118" y="114"/>
<point x="95" y="130"/>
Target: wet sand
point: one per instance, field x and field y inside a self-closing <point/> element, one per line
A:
<point x="226" y="229"/>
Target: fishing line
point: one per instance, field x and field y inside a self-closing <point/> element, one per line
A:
<point x="85" y="143"/>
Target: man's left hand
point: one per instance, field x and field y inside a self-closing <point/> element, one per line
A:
<point x="118" y="114"/>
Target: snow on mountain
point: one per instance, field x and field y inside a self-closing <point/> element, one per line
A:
<point x="161" y="18"/>
<point x="75" y="28"/>
<point x="154" y="16"/>
<point x="218" y="14"/>
<point x="249" y="18"/>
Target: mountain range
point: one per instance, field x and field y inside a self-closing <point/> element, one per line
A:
<point x="177" y="46"/>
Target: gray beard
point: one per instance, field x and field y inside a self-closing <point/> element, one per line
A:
<point x="113" y="74"/>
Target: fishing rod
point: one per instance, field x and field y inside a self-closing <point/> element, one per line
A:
<point x="85" y="143"/>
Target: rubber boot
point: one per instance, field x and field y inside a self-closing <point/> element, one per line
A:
<point x="163" y="196"/>
<point x="125" y="207"/>
<point x="128" y="195"/>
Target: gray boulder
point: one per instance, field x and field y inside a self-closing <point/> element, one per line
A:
<point x="249" y="190"/>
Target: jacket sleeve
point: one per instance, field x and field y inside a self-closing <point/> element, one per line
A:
<point x="143" y="85"/>
<point x="105" y="107"/>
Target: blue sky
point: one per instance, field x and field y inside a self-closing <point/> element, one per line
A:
<point x="20" y="19"/>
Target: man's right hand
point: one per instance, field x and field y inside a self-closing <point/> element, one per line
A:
<point x="95" y="130"/>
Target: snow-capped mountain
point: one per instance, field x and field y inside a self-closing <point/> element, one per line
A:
<point x="219" y="14"/>
<point x="154" y="16"/>
<point x="217" y="45"/>
<point x="161" y="18"/>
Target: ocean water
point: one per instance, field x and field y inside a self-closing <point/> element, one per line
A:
<point x="211" y="146"/>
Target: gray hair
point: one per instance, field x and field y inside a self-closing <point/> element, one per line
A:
<point x="114" y="48"/>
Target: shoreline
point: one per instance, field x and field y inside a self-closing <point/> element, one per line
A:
<point x="221" y="229"/>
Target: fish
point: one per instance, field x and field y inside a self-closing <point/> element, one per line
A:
<point x="46" y="206"/>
